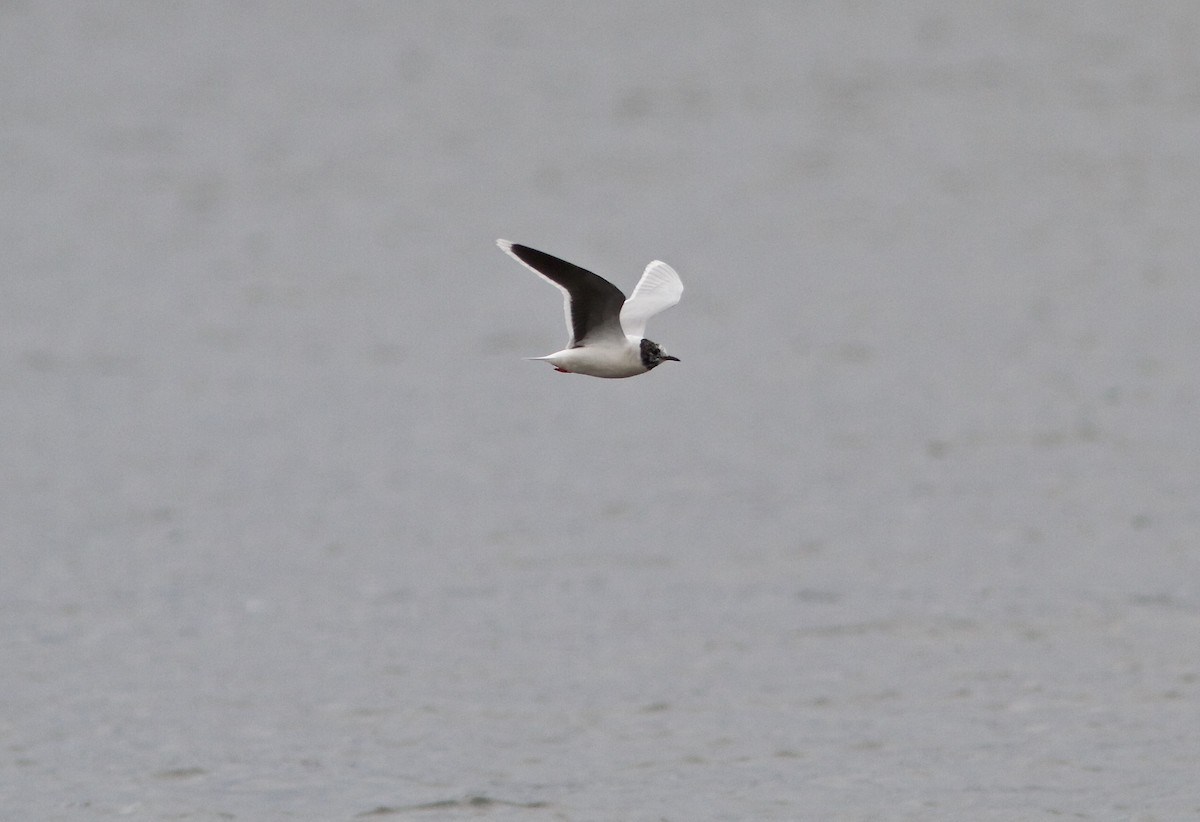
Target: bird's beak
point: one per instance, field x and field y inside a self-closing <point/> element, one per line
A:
<point x="669" y="357"/>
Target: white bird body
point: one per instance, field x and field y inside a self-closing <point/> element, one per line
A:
<point x="606" y="329"/>
<point x="600" y="359"/>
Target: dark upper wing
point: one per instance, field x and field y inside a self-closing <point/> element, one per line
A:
<point x="593" y="304"/>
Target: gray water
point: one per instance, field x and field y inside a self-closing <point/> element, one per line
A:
<point x="290" y="531"/>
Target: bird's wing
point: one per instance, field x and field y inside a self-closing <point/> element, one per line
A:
<point x="592" y="304"/>
<point x="658" y="290"/>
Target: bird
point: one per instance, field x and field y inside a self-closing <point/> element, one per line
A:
<point x="606" y="330"/>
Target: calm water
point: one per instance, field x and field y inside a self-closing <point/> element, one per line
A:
<point x="289" y="530"/>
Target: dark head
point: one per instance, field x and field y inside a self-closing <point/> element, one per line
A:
<point x="652" y="355"/>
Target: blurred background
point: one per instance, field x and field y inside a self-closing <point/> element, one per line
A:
<point x="288" y="530"/>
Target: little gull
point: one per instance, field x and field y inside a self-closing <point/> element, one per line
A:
<point x="606" y="329"/>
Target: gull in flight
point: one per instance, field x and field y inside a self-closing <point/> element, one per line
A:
<point x="606" y="329"/>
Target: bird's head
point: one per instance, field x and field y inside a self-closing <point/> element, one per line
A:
<point x="652" y="355"/>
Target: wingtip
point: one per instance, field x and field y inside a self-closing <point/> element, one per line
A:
<point x="665" y="268"/>
<point x="504" y="244"/>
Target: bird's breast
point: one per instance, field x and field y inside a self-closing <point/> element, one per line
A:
<point x="611" y="361"/>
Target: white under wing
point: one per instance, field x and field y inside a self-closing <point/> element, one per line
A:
<point x="658" y="290"/>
